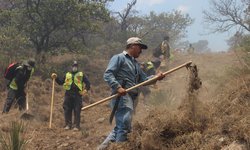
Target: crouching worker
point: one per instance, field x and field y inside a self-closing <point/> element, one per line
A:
<point x="73" y="82"/>
<point x="123" y="72"/>
<point x="18" y="75"/>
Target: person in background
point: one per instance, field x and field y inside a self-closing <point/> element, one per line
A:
<point x="73" y="82"/>
<point x="17" y="85"/>
<point x="162" y="51"/>
<point x="165" y="49"/>
<point x="190" y="49"/>
<point x="150" y="68"/>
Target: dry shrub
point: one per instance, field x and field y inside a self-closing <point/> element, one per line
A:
<point x="198" y="125"/>
<point x="167" y="130"/>
<point x="233" y="112"/>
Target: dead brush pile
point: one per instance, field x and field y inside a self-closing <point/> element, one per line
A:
<point x="197" y="125"/>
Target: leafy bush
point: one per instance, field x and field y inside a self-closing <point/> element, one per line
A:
<point x="245" y="46"/>
<point x="242" y="51"/>
<point x="245" y="43"/>
<point x="13" y="42"/>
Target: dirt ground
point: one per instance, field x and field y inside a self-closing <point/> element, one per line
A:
<point x="165" y="107"/>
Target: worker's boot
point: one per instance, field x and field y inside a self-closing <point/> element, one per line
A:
<point x="67" y="127"/>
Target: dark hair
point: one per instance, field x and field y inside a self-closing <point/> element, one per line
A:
<point x="128" y="46"/>
<point x="166" y="37"/>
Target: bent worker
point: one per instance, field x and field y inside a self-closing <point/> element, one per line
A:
<point x="17" y="85"/>
<point x="73" y="82"/>
<point x="162" y="51"/>
<point x="149" y="68"/>
<point x="165" y="48"/>
<point x="123" y="72"/>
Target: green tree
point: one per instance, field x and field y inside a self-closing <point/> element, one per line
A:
<point x="13" y="41"/>
<point x="201" y="46"/>
<point x="173" y="24"/>
<point x="53" y="24"/>
<point x="61" y="23"/>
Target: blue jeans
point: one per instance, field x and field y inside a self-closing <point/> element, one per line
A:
<point x="123" y="119"/>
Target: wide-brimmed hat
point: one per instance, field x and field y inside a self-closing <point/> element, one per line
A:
<point x="137" y="41"/>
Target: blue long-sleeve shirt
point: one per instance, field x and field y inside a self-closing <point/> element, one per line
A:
<point x="124" y="68"/>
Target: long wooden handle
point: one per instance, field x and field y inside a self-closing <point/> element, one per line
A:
<point x="136" y="86"/>
<point x="27" y="98"/>
<point x="52" y="102"/>
<point x="27" y="102"/>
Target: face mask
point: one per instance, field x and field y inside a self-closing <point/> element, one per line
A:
<point x="74" y="69"/>
<point x="29" y="68"/>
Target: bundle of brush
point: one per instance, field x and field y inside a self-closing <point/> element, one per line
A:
<point x="191" y="108"/>
<point x="194" y="81"/>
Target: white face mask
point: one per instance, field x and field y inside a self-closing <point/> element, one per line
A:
<point x="29" y="68"/>
<point x="74" y="69"/>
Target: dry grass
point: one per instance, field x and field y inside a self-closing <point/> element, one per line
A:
<point x="197" y="125"/>
<point x="211" y="118"/>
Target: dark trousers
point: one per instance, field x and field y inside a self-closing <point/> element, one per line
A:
<point x="19" y="95"/>
<point x="72" y="103"/>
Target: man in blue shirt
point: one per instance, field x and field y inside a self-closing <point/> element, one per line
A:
<point x="123" y="72"/>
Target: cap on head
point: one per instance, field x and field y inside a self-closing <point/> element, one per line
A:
<point x="75" y="63"/>
<point x="31" y="62"/>
<point x="136" y="41"/>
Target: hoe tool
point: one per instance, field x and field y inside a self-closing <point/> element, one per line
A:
<point x="52" y="101"/>
<point x="187" y="64"/>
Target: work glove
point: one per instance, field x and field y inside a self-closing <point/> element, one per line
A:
<point x="53" y="75"/>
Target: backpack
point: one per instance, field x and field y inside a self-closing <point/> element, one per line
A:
<point x="10" y="71"/>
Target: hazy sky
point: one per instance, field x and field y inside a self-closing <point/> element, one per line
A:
<point x="197" y="31"/>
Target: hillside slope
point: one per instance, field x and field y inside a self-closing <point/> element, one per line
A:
<point x="168" y="107"/>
